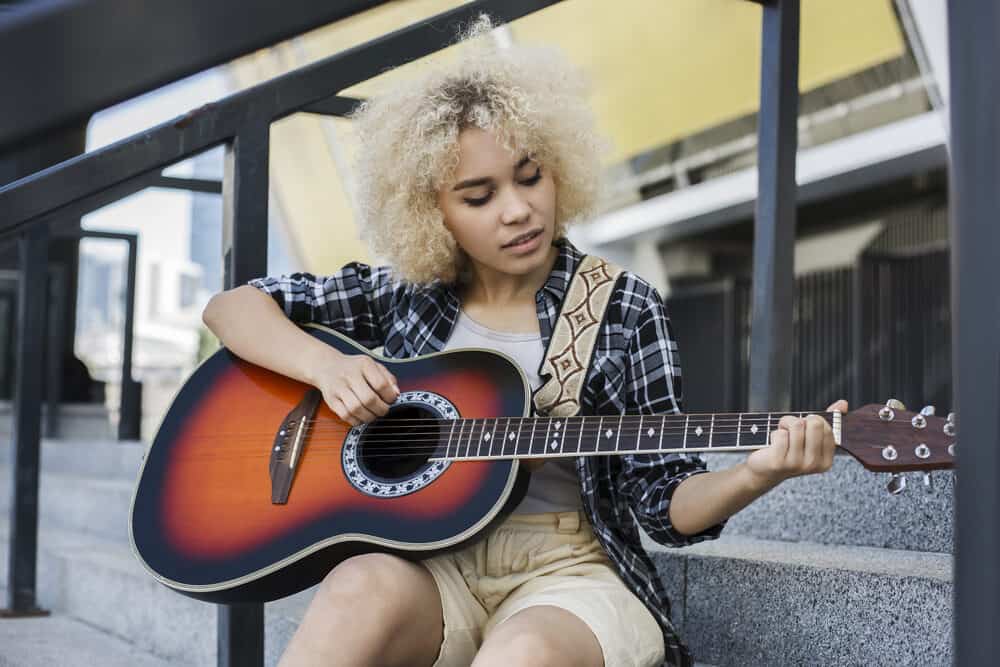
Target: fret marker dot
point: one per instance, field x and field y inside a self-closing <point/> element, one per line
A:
<point x="557" y="425"/>
<point x="753" y="429"/>
<point x="650" y="432"/>
<point x="510" y="437"/>
<point x="698" y="431"/>
<point x="608" y="433"/>
<point x="554" y="444"/>
<point x="486" y="437"/>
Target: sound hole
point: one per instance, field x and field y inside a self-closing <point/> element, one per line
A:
<point x="397" y="446"/>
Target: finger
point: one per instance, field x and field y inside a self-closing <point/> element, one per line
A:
<point x="779" y="443"/>
<point x="356" y="408"/>
<point x="796" y="442"/>
<point x="838" y="406"/>
<point x="341" y="411"/>
<point x="380" y="381"/>
<point x="815" y="437"/>
<point x="367" y="397"/>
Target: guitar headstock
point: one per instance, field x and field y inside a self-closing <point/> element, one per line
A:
<point x="887" y="438"/>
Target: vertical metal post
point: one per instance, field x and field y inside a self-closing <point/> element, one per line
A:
<point x="974" y="50"/>
<point x="240" y="637"/>
<point x="31" y="309"/>
<point x="129" y="411"/>
<point x="774" y="227"/>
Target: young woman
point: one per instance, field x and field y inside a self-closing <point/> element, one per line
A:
<point x="469" y="176"/>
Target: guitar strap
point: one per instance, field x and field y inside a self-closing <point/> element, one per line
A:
<point x="571" y="347"/>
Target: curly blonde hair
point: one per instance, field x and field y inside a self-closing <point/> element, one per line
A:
<point x="530" y="97"/>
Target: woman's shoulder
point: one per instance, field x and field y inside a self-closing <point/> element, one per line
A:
<point x="633" y="298"/>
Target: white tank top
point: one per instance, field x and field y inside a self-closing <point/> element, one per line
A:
<point x="554" y="487"/>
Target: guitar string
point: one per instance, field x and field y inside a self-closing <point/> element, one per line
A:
<point x="436" y="445"/>
<point x="340" y="429"/>
<point x="649" y="421"/>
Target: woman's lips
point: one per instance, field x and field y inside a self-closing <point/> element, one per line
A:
<point x="525" y="242"/>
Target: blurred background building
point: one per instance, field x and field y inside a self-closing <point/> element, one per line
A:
<point x="676" y="93"/>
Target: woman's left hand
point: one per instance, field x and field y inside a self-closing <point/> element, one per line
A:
<point x="799" y="446"/>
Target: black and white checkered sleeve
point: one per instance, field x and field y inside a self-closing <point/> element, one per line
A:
<point x="357" y="301"/>
<point x="653" y="386"/>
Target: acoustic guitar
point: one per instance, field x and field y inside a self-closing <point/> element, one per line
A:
<point x="253" y="489"/>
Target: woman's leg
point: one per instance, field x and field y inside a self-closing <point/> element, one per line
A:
<point x="374" y="609"/>
<point x="541" y="636"/>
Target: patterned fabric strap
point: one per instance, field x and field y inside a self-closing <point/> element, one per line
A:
<point x="573" y="337"/>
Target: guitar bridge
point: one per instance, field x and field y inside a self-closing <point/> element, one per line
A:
<point x="286" y="451"/>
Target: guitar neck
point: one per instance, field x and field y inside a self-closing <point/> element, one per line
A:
<point x="513" y="437"/>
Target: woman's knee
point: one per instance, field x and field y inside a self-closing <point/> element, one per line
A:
<point x="379" y="583"/>
<point x="528" y="648"/>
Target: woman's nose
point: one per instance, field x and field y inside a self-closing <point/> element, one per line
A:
<point x="515" y="208"/>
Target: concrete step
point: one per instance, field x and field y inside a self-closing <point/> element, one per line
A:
<point x="79" y="503"/>
<point x="60" y="640"/>
<point x="94" y="457"/>
<point x="99" y="582"/>
<point x="89" y="420"/>
<point x="749" y="602"/>
<point x="849" y="505"/>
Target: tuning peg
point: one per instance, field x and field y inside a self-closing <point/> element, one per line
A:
<point x="896" y="485"/>
<point x="888" y="413"/>
<point x="928" y="482"/>
<point x="927" y="411"/>
<point x="949" y="425"/>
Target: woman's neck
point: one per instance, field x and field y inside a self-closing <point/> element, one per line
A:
<point x="489" y="288"/>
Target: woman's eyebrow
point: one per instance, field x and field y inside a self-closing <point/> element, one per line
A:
<point x="475" y="182"/>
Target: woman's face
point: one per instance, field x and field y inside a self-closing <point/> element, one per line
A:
<point x="500" y="207"/>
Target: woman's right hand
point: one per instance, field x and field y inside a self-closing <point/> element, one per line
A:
<point x="355" y="386"/>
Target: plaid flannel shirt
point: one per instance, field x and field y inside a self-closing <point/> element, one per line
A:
<point x="635" y="370"/>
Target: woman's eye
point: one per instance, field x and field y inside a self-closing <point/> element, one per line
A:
<point x="534" y="179"/>
<point x="474" y="201"/>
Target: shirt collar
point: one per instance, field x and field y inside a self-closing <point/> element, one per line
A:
<point x="557" y="284"/>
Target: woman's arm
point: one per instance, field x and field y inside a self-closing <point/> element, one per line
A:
<point x="255" y="328"/>
<point x="798" y="447"/>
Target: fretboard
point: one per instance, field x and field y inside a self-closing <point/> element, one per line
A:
<point x="513" y="437"/>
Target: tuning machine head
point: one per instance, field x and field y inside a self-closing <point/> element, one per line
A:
<point x="892" y="406"/>
<point x="896" y="485"/>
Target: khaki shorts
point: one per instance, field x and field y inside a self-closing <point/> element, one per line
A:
<point x="541" y="559"/>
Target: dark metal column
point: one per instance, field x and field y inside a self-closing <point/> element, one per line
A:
<point x="31" y="310"/>
<point x="130" y="406"/>
<point x="974" y="51"/>
<point x="774" y="227"/>
<point x="244" y="246"/>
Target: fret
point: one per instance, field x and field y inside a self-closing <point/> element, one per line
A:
<point x="751" y="432"/>
<point x="531" y="440"/>
<point x="488" y="437"/>
<point x="687" y="420"/>
<point x="768" y="440"/>
<point x="545" y="440"/>
<point x="619" y="438"/>
<point x="556" y="439"/>
<point x="579" y="440"/>
<point x="605" y="438"/>
<point x="646" y="440"/>
<point x="698" y="431"/>
<point x="711" y="431"/>
<point x="663" y="427"/>
<point x="447" y="447"/>
<point x="503" y="441"/>
<point x="458" y="440"/>
<point x="468" y="443"/>
<point x="739" y="427"/>
<point x="725" y="431"/>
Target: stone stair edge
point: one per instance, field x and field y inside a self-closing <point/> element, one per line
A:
<point x="872" y="560"/>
